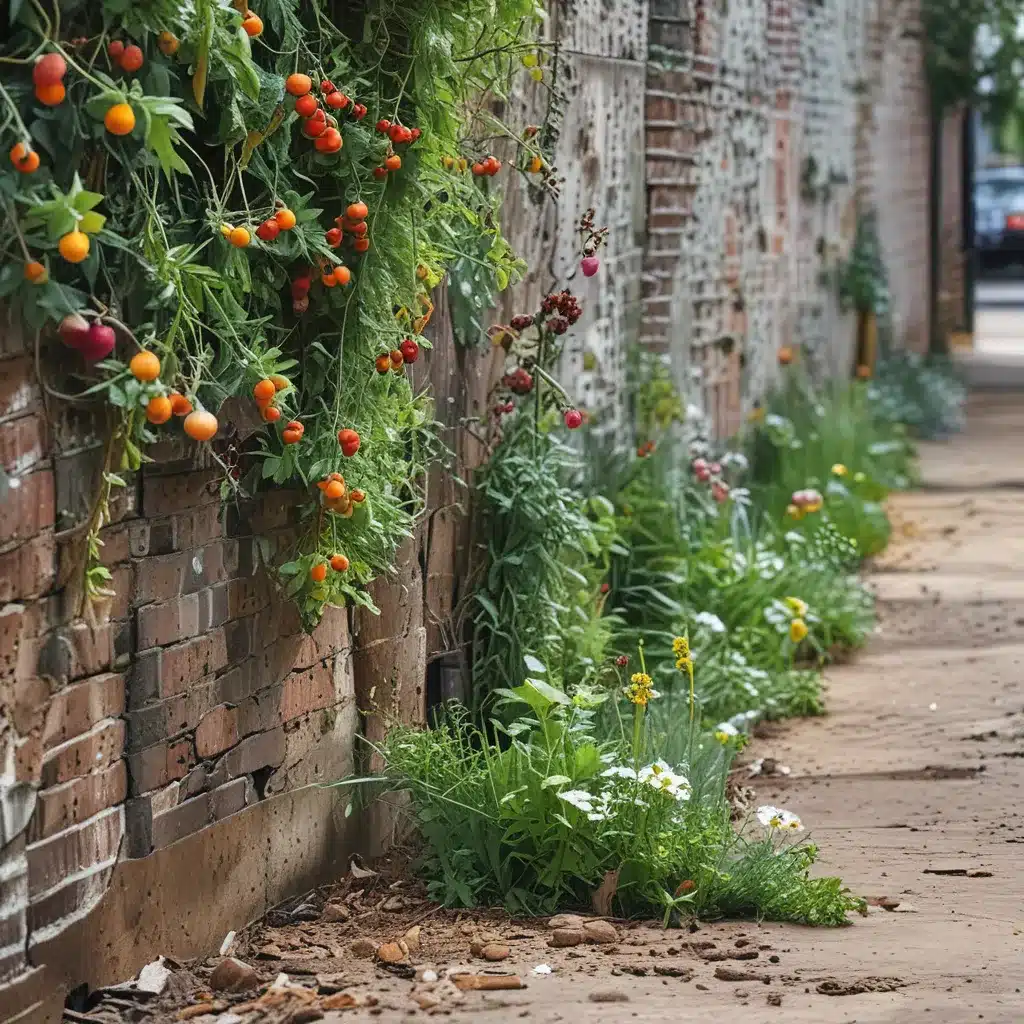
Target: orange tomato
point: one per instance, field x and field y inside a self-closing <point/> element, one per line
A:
<point x="328" y="280"/>
<point x="358" y="496"/>
<point x="271" y="414"/>
<point x="306" y="106"/>
<point x="239" y="237"/>
<point x="120" y="119"/>
<point x="200" y="425"/>
<point x="36" y="272"/>
<point x="357" y="211"/>
<point x="253" y="25"/>
<point x="159" y="409"/>
<point x="74" y="246"/>
<point x="168" y="43"/>
<point x="264" y="390"/>
<point x="51" y="95"/>
<point x="285" y="219"/>
<point x="145" y="366"/>
<point x="298" y="85"/>
<point x="786" y="355"/>
<point x="291" y="436"/>
<point x="342" y="275"/>
<point x="24" y="159"/>
<point x="335" y="489"/>
<point x="339" y="563"/>
<point x="393" y="162"/>
<point x="330" y="141"/>
<point x="280" y="383"/>
<point x="180" y="405"/>
<point x="319" y="572"/>
<point x="361" y="245"/>
<point x="383" y="363"/>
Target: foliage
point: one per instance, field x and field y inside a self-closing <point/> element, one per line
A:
<point x="863" y="281"/>
<point x="926" y="394"/>
<point x="539" y="820"/>
<point x="164" y="177"/>
<point x="972" y="53"/>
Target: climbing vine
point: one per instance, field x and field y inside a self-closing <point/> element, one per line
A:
<point x="212" y="203"/>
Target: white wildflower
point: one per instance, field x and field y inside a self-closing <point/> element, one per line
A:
<point x="710" y="620"/>
<point x="777" y="818"/>
<point x="579" y="798"/>
<point x="660" y="776"/>
<point x="725" y="732"/>
<point x="619" y="771"/>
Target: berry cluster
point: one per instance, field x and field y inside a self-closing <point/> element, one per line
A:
<point x="519" y="381"/>
<point x="396" y="359"/>
<point x="564" y="303"/>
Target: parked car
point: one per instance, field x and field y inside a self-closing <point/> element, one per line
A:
<point x="999" y="216"/>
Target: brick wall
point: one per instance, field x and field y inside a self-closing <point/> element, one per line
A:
<point x="192" y="695"/>
<point x="767" y="121"/>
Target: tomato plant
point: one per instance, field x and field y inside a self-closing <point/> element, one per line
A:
<point x="212" y="189"/>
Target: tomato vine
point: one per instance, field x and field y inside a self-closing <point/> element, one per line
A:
<point x="206" y="198"/>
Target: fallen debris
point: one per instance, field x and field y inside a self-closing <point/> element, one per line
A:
<point x="232" y="975"/>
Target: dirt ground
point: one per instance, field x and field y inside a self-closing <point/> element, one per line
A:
<point x="912" y="785"/>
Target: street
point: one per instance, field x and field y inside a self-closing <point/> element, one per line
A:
<point x="999" y="317"/>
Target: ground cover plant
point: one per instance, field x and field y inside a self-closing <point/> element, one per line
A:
<point x="557" y="811"/>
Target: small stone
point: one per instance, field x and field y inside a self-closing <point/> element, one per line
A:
<point x="271" y="951"/>
<point x="611" y="995"/>
<point x="412" y="939"/>
<point x="392" y="952"/>
<point x="335" y="912"/>
<point x="395" y="903"/>
<point x="232" y="975"/>
<point x="600" y="932"/>
<point x="562" y="937"/>
<point x="495" y="951"/>
<point x="565" y="921"/>
<point x="363" y="948"/>
<point x="774" y="998"/>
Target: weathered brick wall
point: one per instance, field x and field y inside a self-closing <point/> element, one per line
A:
<point x="766" y="121"/>
<point x="894" y="161"/>
<point x="192" y="694"/>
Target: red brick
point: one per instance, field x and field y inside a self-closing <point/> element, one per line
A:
<point x="168" y="622"/>
<point x="69" y="900"/>
<point x="75" y="801"/>
<point x="330" y="637"/>
<point x="122" y="584"/>
<point x="96" y="749"/>
<point x="247" y="596"/>
<point x="28" y="508"/>
<point x="18" y="388"/>
<point x="265" y="749"/>
<point x="28" y="759"/>
<point x="116" y="544"/>
<point x="180" y="492"/>
<point x="80" y="847"/>
<point x="159" y="578"/>
<point x="76" y="709"/>
<point x="183" y="664"/>
<point x="217" y="731"/>
<point x="31" y="699"/>
<point x="159" y="764"/>
<point x="307" y="691"/>
<point x="77" y="651"/>
<point x="28" y="570"/>
<point x="21" y="444"/>
<point x="199" y="528"/>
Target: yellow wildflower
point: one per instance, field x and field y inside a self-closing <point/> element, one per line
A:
<point x="641" y="689"/>
<point x="796" y="606"/>
<point x="797" y="630"/>
<point x="839" y="469"/>
<point x="794" y="512"/>
<point x="859" y="478"/>
<point x="681" y="649"/>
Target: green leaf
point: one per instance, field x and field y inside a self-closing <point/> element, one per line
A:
<point x="84" y="201"/>
<point x="92" y="223"/>
<point x="160" y="138"/>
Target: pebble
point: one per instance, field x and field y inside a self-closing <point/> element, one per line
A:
<point x="600" y="932"/>
<point x="363" y="948"/>
<point x="392" y="952"/>
<point x="335" y="912"/>
<point x="562" y="937"/>
<point x="565" y="921"/>
<point x="232" y="975"/>
<point x="608" y="996"/>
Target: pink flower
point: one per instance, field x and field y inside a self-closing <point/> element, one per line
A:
<point x="719" y="491"/>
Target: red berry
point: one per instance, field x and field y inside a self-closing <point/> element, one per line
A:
<point x="383" y="125"/>
<point x="359" y="111"/>
<point x="115" y="49"/>
<point x="410" y="350"/>
<point x="573" y="418"/>
<point x="300" y="287"/>
<point x="380" y="173"/>
<point x="414" y="134"/>
<point x="306" y="106"/>
<point x="395" y="132"/>
<point x="333" y="237"/>
<point x="268" y="230"/>
<point x="314" y="127"/>
<point x="335" y="100"/>
<point x="326" y="86"/>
